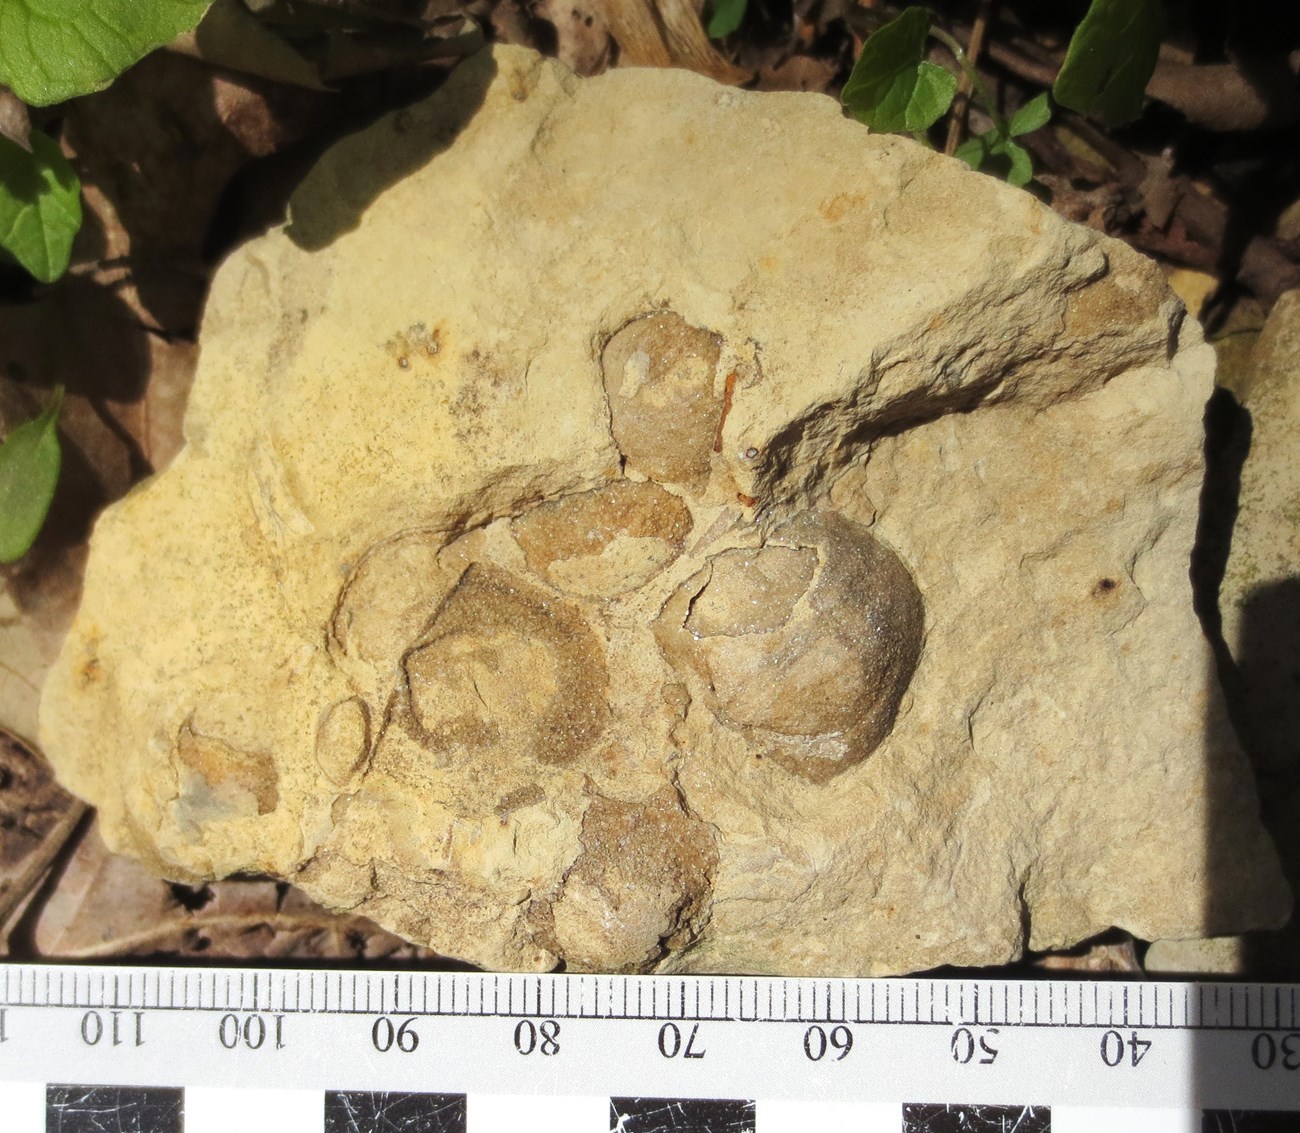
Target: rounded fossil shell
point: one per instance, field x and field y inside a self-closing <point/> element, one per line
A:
<point x="811" y="639"/>
<point x="659" y="377"/>
<point x="503" y="669"/>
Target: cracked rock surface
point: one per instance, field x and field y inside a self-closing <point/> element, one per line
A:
<point x="640" y="525"/>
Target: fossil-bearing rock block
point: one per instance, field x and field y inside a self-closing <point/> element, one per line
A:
<point x="636" y="524"/>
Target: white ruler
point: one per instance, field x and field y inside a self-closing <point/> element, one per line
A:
<point x="161" y="1050"/>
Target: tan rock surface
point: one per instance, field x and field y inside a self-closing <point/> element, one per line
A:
<point x="905" y="672"/>
<point x="1259" y="601"/>
<point x="1260" y="595"/>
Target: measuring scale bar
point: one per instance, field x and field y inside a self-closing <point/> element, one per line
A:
<point x="160" y="1050"/>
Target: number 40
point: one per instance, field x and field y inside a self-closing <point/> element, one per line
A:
<point x="1114" y="1045"/>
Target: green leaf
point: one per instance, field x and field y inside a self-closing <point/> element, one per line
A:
<point x="1110" y="59"/>
<point x="930" y="98"/>
<point x="40" y="205"/>
<point x="52" y="50"/>
<point x="975" y="151"/>
<point x="1022" y="169"/>
<point x="972" y="151"/>
<point x="881" y="83"/>
<point x="726" y="17"/>
<point x="29" y="470"/>
<point x="1034" y="115"/>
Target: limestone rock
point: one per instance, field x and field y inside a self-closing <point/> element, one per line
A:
<point x="1218" y="956"/>
<point x="1259" y="601"/>
<point x="638" y="524"/>
<point x="1260" y="595"/>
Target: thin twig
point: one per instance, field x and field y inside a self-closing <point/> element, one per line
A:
<point x="971" y="75"/>
<point x="161" y="937"/>
<point x="37" y="863"/>
<point x="957" y="123"/>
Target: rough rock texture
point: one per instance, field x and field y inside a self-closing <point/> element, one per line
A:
<point x="1259" y="601"/>
<point x="672" y="527"/>
<point x="1260" y="595"/>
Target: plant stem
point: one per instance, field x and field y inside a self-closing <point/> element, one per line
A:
<point x="985" y="97"/>
<point x="961" y="107"/>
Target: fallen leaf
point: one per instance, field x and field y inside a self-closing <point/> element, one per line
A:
<point x="799" y="72"/>
<point x="37" y="602"/>
<point x="582" y="37"/>
<point x="231" y="36"/>
<point x="1159" y="189"/>
<point x="104" y="904"/>
<point x="15" y="122"/>
<point x="512" y="22"/>
<point x="37" y="817"/>
<point x="126" y="383"/>
<point x="156" y="153"/>
<point x="1230" y="97"/>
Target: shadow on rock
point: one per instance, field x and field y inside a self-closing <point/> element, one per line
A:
<point x="1268" y="670"/>
<point x="335" y="195"/>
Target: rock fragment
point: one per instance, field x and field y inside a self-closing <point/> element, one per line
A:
<point x="664" y="414"/>
<point x="649" y="525"/>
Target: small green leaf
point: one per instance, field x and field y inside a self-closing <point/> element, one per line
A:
<point x="52" y="50"/>
<point x="975" y="151"/>
<point x="726" y="18"/>
<point x="29" y="470"/>
<point x="40" y="205"/>
<point x="1111" y="57"/>
<point x="972" y="151"/>
<point x="1022" y="169"/>
<point x="1034" y="115"/>
<point x="881" y="84"/>
<point x="930" y="98"/>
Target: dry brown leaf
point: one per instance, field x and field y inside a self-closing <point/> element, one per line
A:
<point x="15" y="124"/>
<point x="348" y="57"/>
<point x="155" y="153"/>
<point x="799" y="72"/>
<point x="1159" y="189"/>
<point x="665" y="33"/>
<point x="512" y="22"/>
<point x="582" y="37"/>
<point x="98" y="900"/>
<point x="106" y="905"/>
<point x="1251" y="95"/>
<point x="85" y="335"/>
<point x="230" y="36"/>
<point x="37" y="817"/>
